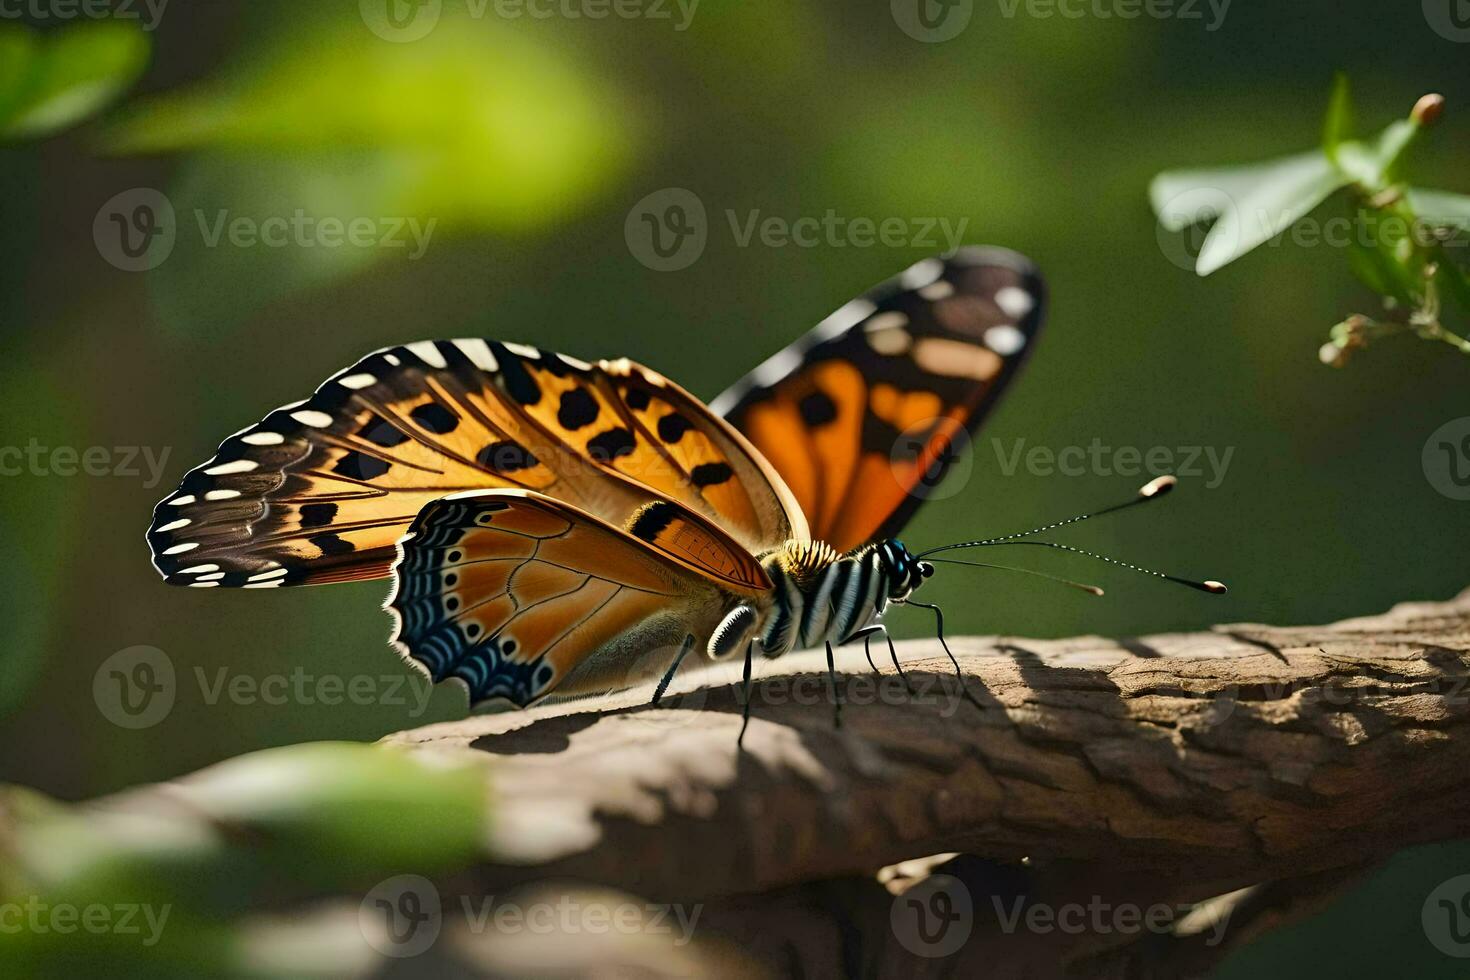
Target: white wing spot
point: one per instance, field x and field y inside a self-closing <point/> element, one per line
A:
<point x="428" y="353"/>
<point x="235" y="465"/>
<point x="479" y="354"/>
<point x="222" y="494"/>
<point x="203" y="585"/>
<point x="886" y="321"/>
<point x="921" y="273"/>
<point x="179" y="549"/>
<point x="937" y="290"/>
<point x="529" y="353"/>
<point x="198" y="569"/>
<point x="357" y="381"/>
<point x="263" y="439"/>
<point x="1014" y="300"/>
<point x="175" y="525"/>
<point x="392" y="359"/>
<point x="1004" y="339"/>
<point x="313" y="418"/>
<point x="187" y="498"/>
<point x="263" y="576"/>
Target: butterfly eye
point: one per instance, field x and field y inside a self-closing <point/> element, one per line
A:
<point x="925" y="569"/>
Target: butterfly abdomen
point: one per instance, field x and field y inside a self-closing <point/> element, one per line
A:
<point x="821" y="595"/>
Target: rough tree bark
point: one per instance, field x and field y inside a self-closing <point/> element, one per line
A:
<point x="1254" y="769"/>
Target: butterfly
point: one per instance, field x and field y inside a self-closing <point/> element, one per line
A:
<point x="559" y="528"/>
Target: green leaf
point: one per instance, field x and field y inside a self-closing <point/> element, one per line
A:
<point x="1279" y="193"/>
<point x="1182" y="198"/>
<point x="1339" y="121"/>
<point x="50" y="82"/>
<point x="1440" y="208"/>
<point x="1372" y="165"/>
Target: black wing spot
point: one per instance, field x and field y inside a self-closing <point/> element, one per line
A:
<point x="543" y="676"/>
<point x="605" y="447"/>
<point x="650" y="520"/>
<point x="671" y="427"/>
<point x="356" y="466"/>
<point x="331" y="544"/>
<point x="436" y="418"/>
<point x="637" y="398"/>
<point x="513" y="374"/>
<point x="710" y="474"/>
<point x="818" y="409"/>
<point x="380" y="432"/>
<point x="317" y="515"/>
<point x="577" y="409"/>
<point x="506" y="457"/>
<point x="508" y="647"/>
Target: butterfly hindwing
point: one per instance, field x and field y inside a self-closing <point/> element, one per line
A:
<point x="859" y="417"/>
<point x="321" y="490"/>
<point x="519" y="595"/>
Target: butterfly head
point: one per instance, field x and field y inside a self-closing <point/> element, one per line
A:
<point x="905" y="571"/>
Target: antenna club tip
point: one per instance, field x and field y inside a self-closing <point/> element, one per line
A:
<point x="1216" y="588"/>
<point x="1158" y="486"/>
<point x="1094" y="590"/>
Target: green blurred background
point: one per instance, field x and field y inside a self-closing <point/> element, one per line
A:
<point x="527" y="141"/>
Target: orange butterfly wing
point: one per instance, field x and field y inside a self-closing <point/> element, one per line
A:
<point x="518" y="595"/>
<point x="321" y="490"/>
<point x="862" y="415"/>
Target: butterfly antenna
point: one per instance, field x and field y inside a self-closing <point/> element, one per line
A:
<point x="1152" y="490"/>
<point x="1208" y="585"/>
<point x="1089" y="589"/>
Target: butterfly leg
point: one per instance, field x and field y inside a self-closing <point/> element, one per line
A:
<point x="866" y="633"/>
<point x="663" y="685"/>
<point x="832" y="686"/>
<point x="745" y="695"/>
<point x="939" y="629"/>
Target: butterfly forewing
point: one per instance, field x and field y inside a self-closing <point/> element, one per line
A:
<point x="320" y="491"/>
<point x="861" y="415"/>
